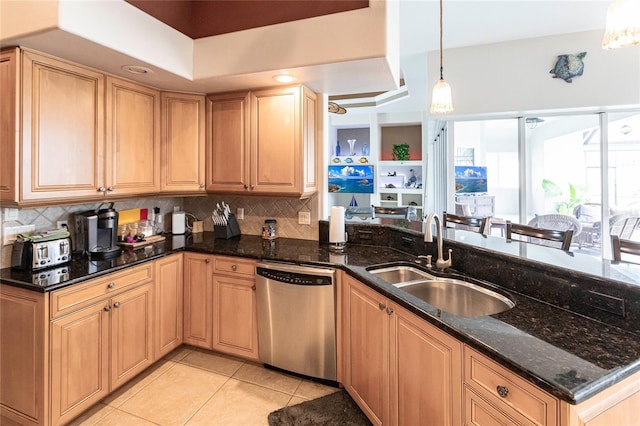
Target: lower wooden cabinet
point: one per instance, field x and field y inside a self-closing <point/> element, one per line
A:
<point x="198" y="294"/>
<point x="502" y="392"/>
<point x="24" y="367"/>
<point x="111" y="336"/>
<point x="398" y="368"/>
<point x="235" y="326"/>
<point x="219" y="304"/>
<point x="169" y="304"/>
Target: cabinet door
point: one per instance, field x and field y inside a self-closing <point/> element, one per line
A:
<point x="183" y="124"/>
<point x="235" y="328"/>
<point x="414" y="345"/>
<point x="79" y="361"/>
<point x="276" y="159"/>
<point x="24" y="329"/>
<point x="198" y="298"/>
<point x="169" y="302"/>
<point x="62" y="130"/>
<point x="309" y="142"/>
<point x="365" y="334"/>
<point x="9" y="124"/>
<point x="133" y="138"/>
<point x="228" y="142"/>
<point x="131" y="334"/>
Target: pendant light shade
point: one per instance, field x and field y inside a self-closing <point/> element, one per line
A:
<point x="441" y="102"/>
<point x="441" y="99"/>
<point x="623" y="24"/>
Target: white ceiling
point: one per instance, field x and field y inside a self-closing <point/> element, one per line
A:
<point x="466" y="23"/>
<point x="473" y="22"/>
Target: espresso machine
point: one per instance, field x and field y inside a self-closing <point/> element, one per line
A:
<point x="97" y="233"/>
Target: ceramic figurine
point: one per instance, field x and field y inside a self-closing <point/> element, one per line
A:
<point x="569" y="66"/>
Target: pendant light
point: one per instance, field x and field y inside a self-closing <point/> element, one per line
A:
<point x="441" y="101"/>
<point x="623" y="24"/>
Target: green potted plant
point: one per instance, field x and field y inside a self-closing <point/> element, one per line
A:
<point x="401" y="152"/>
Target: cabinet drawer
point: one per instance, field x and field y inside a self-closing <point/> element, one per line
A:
<point x="234" y="265"/>
<point x="80" y="295"/>
<point x="510" y="393"/>
<point x="478" y="412"/>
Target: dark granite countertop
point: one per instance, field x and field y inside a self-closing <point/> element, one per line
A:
<point x="569" y="355"/>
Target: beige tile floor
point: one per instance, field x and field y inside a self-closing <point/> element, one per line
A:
<point x="195" y="387"/>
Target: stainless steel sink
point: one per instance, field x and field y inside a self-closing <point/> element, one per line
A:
<point x="458" y="297"/>
<point x="400" y="274"/>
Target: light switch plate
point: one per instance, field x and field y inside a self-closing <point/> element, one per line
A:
<point x="304" y="218"/>
<point x="10" y="214"/>
<point x="240" y="213"/>
<point x="10" y="233"/>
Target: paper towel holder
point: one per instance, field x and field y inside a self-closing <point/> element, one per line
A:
<point x="338" y="247"/>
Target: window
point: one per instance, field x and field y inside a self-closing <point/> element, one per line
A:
<point x="562" y="158"/>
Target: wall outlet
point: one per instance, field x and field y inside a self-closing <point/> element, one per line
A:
<point x="62" y="224"/>
<point x="240" y="213"/>
<point x="198" y="226"/>
<point x="304" y="218"/>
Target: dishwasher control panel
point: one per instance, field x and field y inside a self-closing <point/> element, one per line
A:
<point x="293" y="277"/>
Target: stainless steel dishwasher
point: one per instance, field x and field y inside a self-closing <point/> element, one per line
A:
<point x="297" y="318"/>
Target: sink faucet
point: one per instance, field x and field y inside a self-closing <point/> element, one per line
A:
<point x="428" y="238"/>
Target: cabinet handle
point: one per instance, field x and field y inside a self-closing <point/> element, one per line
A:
<point x="102" y="189"/>
<point x="246" y="186"/>
<point x="389" y="310"/>
<point x="110" y="188"/>
<point x="111" y="285"/>
<point x="201" y="185"/>
<point x="251" y="186"/>
<point x="107" y="308"/>
<point x="116" y="305"/>
<point x="233" y="268"/>
<point x="207" y="260"/>
<point x="503" y="391"/>
<point x="381" y="306"/>
<point x="253" y="287"/>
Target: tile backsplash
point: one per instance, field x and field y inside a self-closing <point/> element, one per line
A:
<point x="256" y="210"/>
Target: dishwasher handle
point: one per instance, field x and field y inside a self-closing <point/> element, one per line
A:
<point x="296" y="275"/>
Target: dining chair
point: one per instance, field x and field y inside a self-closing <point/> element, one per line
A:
<point x="619" y="246"/>
<point x="475" y="224"/>
<point x="541" y="236"/>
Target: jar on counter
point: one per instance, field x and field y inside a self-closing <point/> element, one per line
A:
<point x="270" y="229"/>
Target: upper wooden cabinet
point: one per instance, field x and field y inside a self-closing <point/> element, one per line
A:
<point x="69" y="132"/>
<point x="183" y="142"/>
<point x="62" y="148"/>
<point x="262" y="142"/>
<point x="133" y="138"/>
<point x="10" y="89"/>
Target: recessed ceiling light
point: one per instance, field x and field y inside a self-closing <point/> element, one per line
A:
<point x="284" y="78"/>
<point x="137" y="69"/>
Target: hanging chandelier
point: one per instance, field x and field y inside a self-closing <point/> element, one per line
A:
<point x="623" y="24"/>
<point x="441" y="100"/>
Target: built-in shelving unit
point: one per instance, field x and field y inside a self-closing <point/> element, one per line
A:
<point x="395" y="183"/>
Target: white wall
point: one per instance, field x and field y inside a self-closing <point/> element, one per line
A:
<point x="514" y="76"/>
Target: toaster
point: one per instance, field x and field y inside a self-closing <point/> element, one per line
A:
<point x="34" y="255"/>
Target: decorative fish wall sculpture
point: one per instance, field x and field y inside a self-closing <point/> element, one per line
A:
<point x="568" y="66"/>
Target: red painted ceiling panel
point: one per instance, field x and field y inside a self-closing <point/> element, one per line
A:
<point x="198" y="19"/>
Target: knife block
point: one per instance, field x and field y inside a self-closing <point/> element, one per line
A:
<point x="230" y="230"/>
